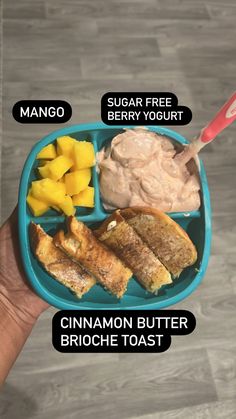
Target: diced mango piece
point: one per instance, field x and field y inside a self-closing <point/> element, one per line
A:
<point x="43" y="162"/>
<point x="73" y="168"/>
<point x="84" y="198"/>
<point x="37" y="207"/>
<point x="65" y="146"/>
<point x="49" y="191"/>
<point x="47" y="153"/>
<point x="62" y="186"/>
<point x="77" y="181"/>
<point x="84" y="155"/>
<point x="44" y="171"/>
<point x="56" y="168"/>
<point x="67" y="206"/>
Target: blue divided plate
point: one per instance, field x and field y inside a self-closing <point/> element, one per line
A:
<point x="197" y="224"/>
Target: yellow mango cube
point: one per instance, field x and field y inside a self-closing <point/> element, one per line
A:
<point x="47" y="153"/>
<point x="43" y="162"/>
<point x="56" y="168"/>
<point x="61" y="186"/>
<point x="37" y="207"/>
<point x="48" y="191"/>
<point x="84" y="198"/>
<point x="67" y="206"/>
<point x="84" y="155"/>
<point x="65" y="146"/>
<point x="44" y="171"/>
<point x="77" y="181"/>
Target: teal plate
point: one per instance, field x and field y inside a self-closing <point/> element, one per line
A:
<point x="197" y="224"/>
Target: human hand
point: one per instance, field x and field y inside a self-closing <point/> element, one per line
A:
<point x="19" y="305"/>
<point x="16" y="296"/>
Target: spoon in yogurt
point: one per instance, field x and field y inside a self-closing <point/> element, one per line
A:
<point x="225" y="117"/>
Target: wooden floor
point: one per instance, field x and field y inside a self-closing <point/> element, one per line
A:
<point x="77" y="50"/>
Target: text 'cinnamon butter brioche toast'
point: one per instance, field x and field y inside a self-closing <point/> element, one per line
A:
<point x="118" y="235"/>
<point x="168" y="241"/>
<point x="58" y="264"/>
<point x="80" y="244"/>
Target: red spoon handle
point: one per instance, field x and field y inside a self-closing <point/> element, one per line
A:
<point x="225" y="117"/>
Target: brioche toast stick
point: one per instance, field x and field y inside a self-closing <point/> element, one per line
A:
<point x="168" y="241"/>
<point x="80" y="244"/>
<point x="117" y="234"/>
<point x="57" y="264"/>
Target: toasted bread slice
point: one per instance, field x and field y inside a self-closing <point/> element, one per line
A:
<point x="168" y="241"/>
<point x="83" y="246"/>
<point x="57" y="264"/>
<point x="118" y="235"/>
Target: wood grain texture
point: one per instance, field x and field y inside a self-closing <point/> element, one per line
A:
<point x="77" y="50"/>
<point x="120" y="389"/>
<point x="215" y="410"/>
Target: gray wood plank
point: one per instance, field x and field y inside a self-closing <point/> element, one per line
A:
<point x="216" y="410"/>
<point x="119" y="389"/>
<point x="86" y="91"/>
<point x="168" y="30"/>
<point x="41" y="47"/>
<point x="150" y="9"/>
<point x="224" y="230"/>
<point x="156" y="68"/>
<point x="23" y="69"/>
<point x="101" y="8"/>
<point x="24" y="9"/>
<point x="223" y="364"/>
